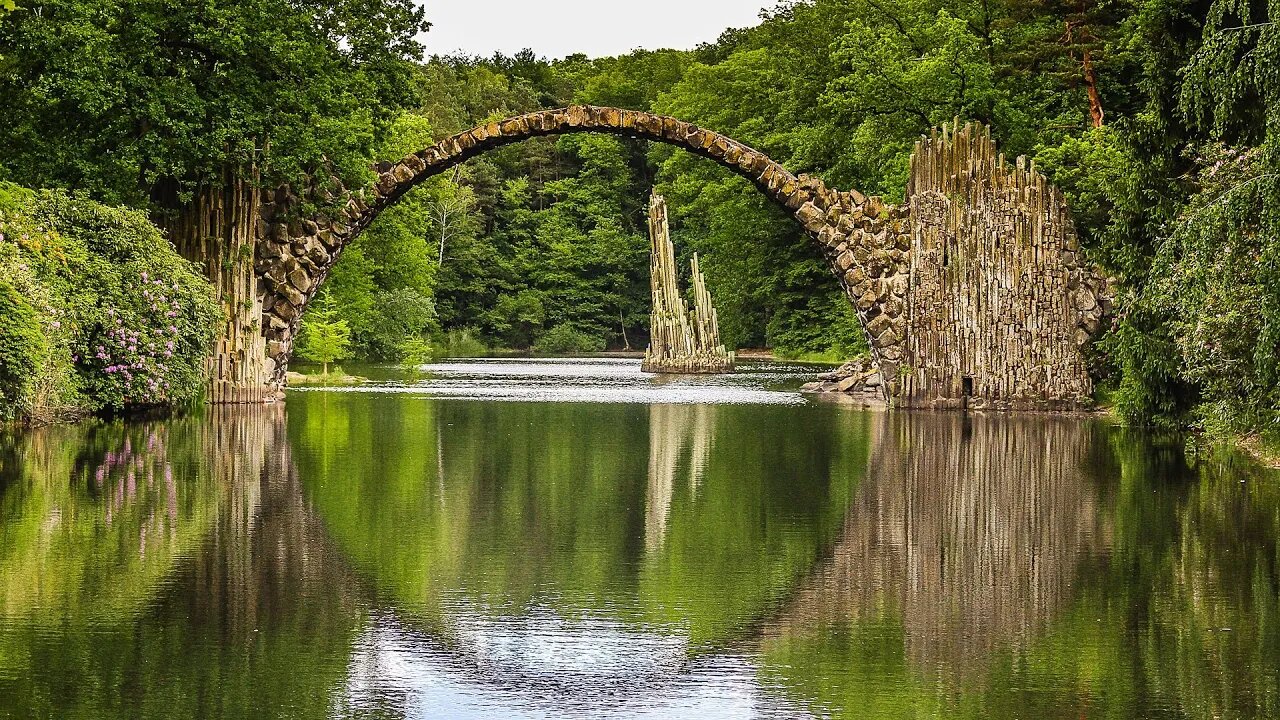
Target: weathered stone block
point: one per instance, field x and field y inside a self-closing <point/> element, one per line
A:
<point x="886" y="339"/>
<point x="811" y="217"/>
<point x="879" y="326"/>
<point x="285" y="309"/>
<point x="300" y="280"/>
<point x="1084" y="300"/>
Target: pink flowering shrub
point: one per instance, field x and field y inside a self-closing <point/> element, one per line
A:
<point x="131" y="320"/>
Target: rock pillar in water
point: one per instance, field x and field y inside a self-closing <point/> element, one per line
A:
<point x="680" y="340"/>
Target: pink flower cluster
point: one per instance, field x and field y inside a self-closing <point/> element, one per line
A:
<point x="137" y="359"/>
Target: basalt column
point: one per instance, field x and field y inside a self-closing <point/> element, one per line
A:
<point x="1000" y="299"/>
<point x="218" y="230"/>
<point x="680" y="340"/>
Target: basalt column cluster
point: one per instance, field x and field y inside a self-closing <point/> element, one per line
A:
<point x="681" y="341"/>
<point x="1001" y="302"/>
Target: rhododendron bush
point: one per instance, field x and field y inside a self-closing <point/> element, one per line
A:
<point x="111" y="316"/>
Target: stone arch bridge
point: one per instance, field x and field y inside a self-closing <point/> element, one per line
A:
<point x="971" y="293"/>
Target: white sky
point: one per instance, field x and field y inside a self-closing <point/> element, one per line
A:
<point x="556" y="28"/>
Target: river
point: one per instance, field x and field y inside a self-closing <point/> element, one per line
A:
<point x="556" y="539"/>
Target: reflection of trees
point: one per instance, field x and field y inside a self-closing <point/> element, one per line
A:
<point x="972" y="528"/>
<point x="545" y="503"/>
<point x="1211" y="591"/>
<point x="676" y="433"/>
<point x="97" y="515"/>
<point x="1006" y="568"/>
<point x="175" y="573"/>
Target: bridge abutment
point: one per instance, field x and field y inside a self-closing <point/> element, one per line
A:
<point x="218" y="231"/>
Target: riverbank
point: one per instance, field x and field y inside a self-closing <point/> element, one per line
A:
<point x="337" y="378"/>
<point x="1264" y="453"/>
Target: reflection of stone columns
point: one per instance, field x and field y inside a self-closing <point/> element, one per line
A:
<point x="672" y="430"/>
<point x="268" y="547"/>
<point x="972" y="528"/>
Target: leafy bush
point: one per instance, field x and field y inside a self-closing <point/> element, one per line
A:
<point x="565" y="339"/>
<point x="21" y="349"/>
<point x="416" y="351"/>
<point x="403" y="315"/>
<point x="125" y="320"/>
<point x="462" y="342"/>
<point x="323" y="337"/>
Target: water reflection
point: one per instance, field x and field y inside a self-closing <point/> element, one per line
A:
<point x="1044" y="567"/>
<point x="398" y="556"/>
<point x="970" y="530"/>
<point x="570" y="556"/>
<point x="669" y="515"/>
<point x="400" y="672"/>
<point x="680" y="437"/>
<point x="165" y="569"/>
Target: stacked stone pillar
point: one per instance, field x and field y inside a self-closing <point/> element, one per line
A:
<point x="217" y="231"/>
<point x="1001" y="302"/>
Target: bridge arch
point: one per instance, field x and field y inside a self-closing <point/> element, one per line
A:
<point x="863" y="240"/>
<point x="773" y="180"/>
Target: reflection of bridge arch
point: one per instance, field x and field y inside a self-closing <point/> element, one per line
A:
<point x="296" y="256"/>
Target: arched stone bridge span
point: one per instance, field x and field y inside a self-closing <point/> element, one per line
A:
<point x="295" y="256"/>
<point x="1030" y="296"/>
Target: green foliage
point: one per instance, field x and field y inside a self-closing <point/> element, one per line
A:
<point x="124" y="320"/>
<point x="323" y="337"/>
<point x="384" y="287"/>
<point x="22" y="349"/>
<point x="463" y="343"/>
<point x="417" y="351"/>
<point x="142" y="100"/>
<point x="1182" y="200"/>
<point x="564" y="339"/>
<point x="404" y="316"/>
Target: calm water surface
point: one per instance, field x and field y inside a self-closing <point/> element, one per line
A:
<point x="542" y="539"/>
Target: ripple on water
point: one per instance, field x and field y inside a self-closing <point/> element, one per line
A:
<point x="542" y="665"/>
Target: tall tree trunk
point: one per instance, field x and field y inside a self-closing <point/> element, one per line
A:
<point x="1091" y="87"/>
<point x="218" y="230"/>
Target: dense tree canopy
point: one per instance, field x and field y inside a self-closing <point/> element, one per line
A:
<point x="136" y="100"/>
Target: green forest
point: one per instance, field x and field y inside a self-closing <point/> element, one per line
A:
<point x="1160" y="119"/>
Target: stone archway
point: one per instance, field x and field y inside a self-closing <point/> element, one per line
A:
<point x="972" y="293"/>
<point x="863" y="240"/>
